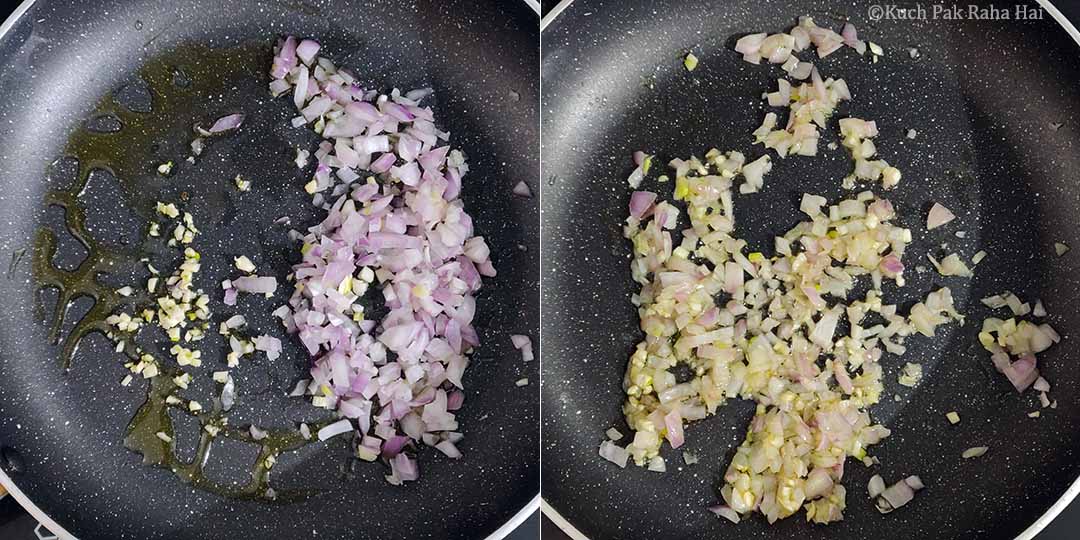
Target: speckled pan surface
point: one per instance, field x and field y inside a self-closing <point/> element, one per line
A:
<point x="62" y="433"/>
<point x="982" y="96"/>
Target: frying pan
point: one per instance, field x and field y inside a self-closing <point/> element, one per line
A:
<point x="161" y="67"/>
<point x="982" y="96"/>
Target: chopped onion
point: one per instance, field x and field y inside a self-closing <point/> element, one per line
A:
<point x="656" y="464"/>
<point x="975" y="452"/>
<point x="335" y="429"/>
<point x="761" y="327"/>
<point x="636" y="177"/>
<point x="1021" y="373"/>
<point x="825" y="328"/>
<point x="1041" y="385"/>
<point x="226" y="123"/>
<point x="876" y="486"/>
<point x="614" y="453"/>
<point x="815" y="102"/>
<point x="725" y="512"/>
<point x="951" y="265"/>
<point x="268" y="344"/>
<point x="938" y="216"/>
<point x="300" y="388"/>
<point x="754" y="173"/>
<point x="256" y="284"/>
<point x="914" y="482"/>
<point x="849" y="34"/>
<point x="521" y="189"/>
<point x="301" y="158"/>
<point x="306" y="51"/>
<point x="738" y="330"/>
<point x="448" y="448"/>
<point x="898" y="494"/>
<point x="228" y="394"/>
<point x="911" y="375"/>
<point x="404" y="469"/>
<point x="818" y="483"/>
<point x="673" y="425"/>
<point x="641" y="202"/>
<point x="524" y="344"/>
<point x="244" y="264"/>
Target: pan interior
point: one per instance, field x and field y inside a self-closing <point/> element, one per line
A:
<point x="614" y="83"/>
<point x="59" y="60"/>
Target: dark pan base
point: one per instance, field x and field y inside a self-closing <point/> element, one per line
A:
<point x="982" y="97"/>
<point x="64" y="431"/>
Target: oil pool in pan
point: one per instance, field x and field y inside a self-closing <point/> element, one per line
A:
<point x="178" y="82"/>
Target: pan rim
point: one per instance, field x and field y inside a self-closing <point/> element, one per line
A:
<point x="1027" y="534"/>
<point x="24" y="501"/>
<point x="61" y="533"/>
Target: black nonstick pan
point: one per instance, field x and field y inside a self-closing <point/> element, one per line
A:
<point x="160" y="67"/>
<point x="995" y="105"/>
